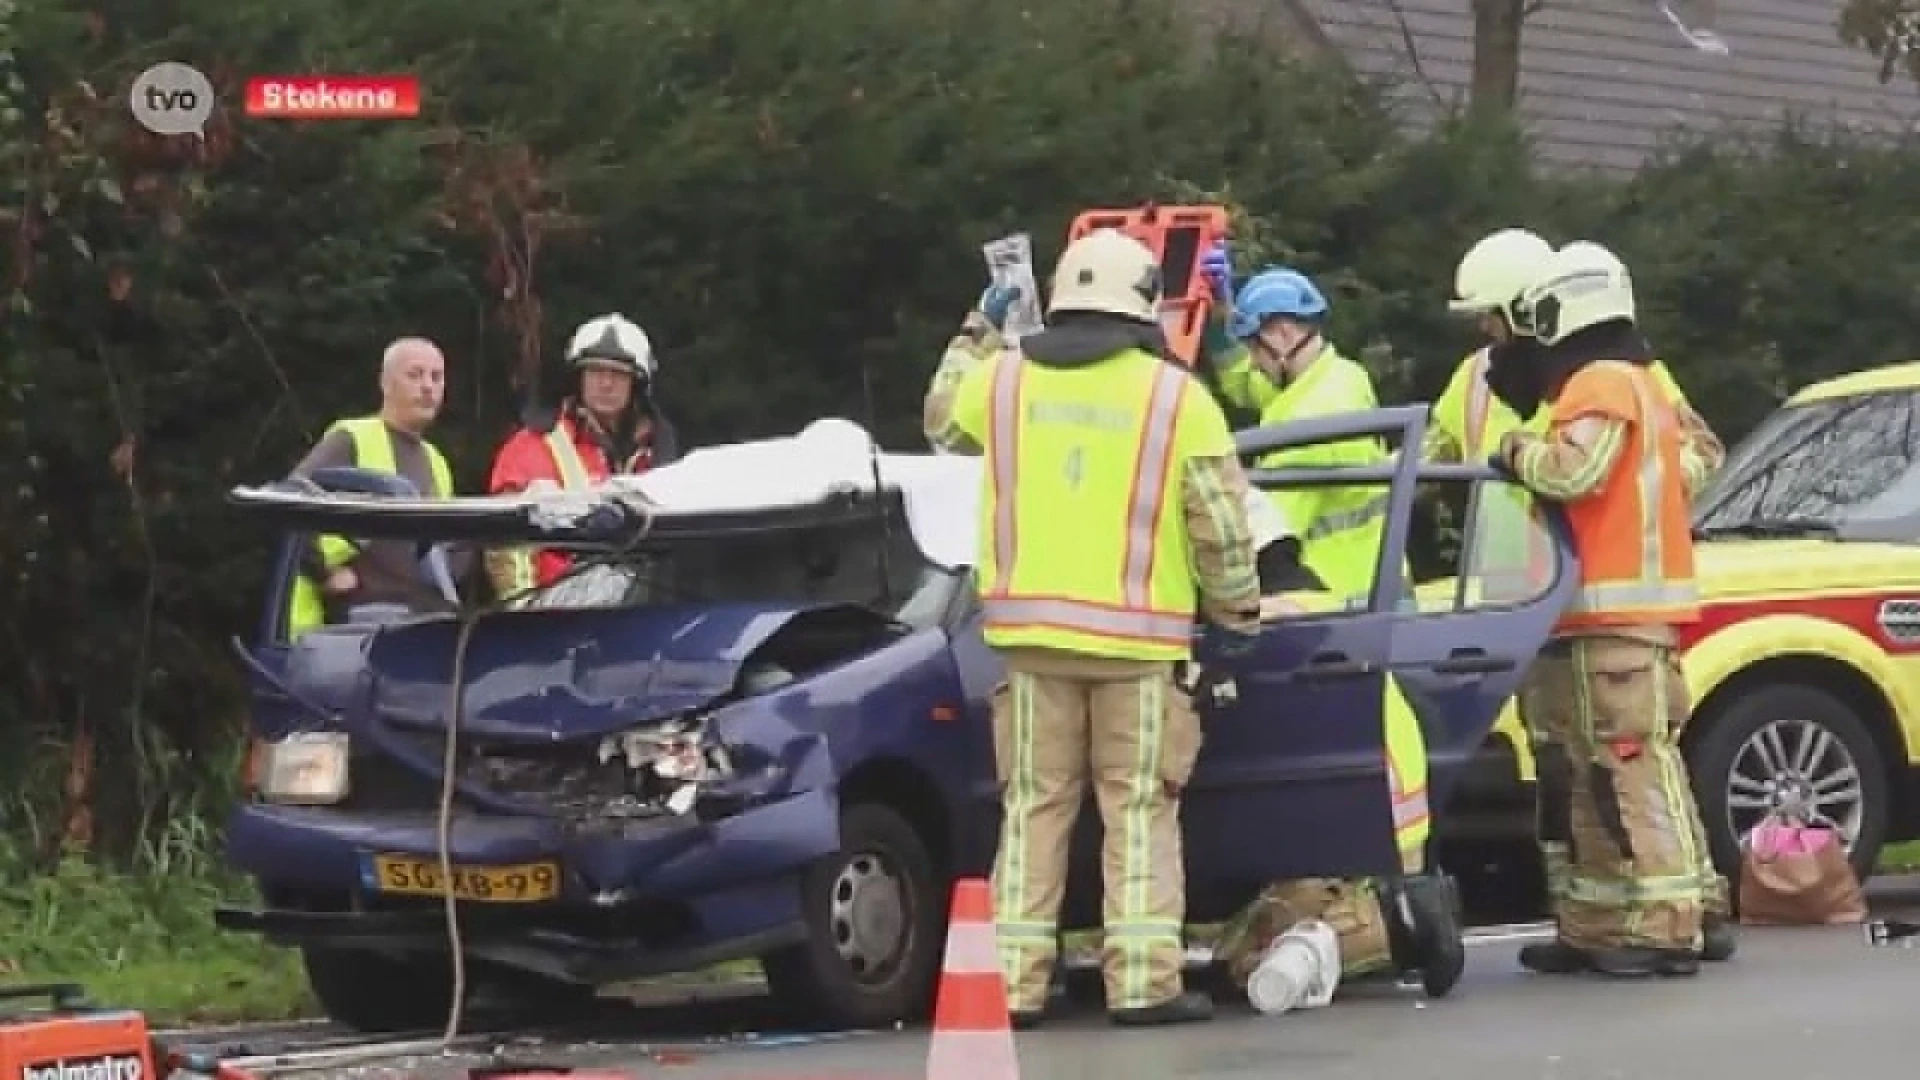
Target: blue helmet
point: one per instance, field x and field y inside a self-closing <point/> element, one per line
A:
<point x="1277" y="292"/>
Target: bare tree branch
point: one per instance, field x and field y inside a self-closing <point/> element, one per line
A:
<point x="1413" y="54"/>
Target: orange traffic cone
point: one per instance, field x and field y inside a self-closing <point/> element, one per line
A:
<point x="972" y="1035"/>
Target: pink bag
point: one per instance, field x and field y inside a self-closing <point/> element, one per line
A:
<point x="1794" y="874"/>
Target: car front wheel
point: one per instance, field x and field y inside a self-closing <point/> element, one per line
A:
<point x="1794" y="749"/>
<point x="377" y="993"/>
<point x="875" y="914"/>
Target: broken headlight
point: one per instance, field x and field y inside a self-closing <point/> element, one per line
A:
<point x="668" y="763"/>
<point x="306" y="768"/>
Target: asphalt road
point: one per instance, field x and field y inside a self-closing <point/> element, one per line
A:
<point x="1796" y="1004"/>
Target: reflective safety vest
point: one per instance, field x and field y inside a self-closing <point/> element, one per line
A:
<point x="1512" y="554"/>
<point x="1633" y="536"/>
<point x="1476" y="421"/>
<point x="1341" y="527"/>
<point x="372" y="450"/>
<point x="571" y="472"/>
<point x="1084" y="545"/>
<point x="566" y="457"/>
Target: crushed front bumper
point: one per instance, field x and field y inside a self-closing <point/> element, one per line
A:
<point x="678" y="891"/>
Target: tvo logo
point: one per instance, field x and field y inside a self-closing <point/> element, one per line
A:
<point x="172" y="99"/>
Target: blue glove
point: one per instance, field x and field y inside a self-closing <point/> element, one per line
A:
<point x="996" y="301"/>
<point x="1217" y="267"/>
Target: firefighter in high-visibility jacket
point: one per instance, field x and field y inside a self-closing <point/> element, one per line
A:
<point x="337" y="574"/>
<point x="1470" y="420"/>
<point x="1113" y="513"/>
<point x="1606" y="697"/>
<point x="609" y="423"/>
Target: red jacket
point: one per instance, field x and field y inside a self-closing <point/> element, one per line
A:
<point x="527" y="456"/>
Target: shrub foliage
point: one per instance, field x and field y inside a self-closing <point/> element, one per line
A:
<point x="790" y="197"/>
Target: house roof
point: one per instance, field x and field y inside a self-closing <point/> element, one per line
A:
<point x="1602" y="81"/>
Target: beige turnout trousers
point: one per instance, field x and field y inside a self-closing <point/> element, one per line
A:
<point x="1619" y="831"/>
<point x="1064" y="720"/>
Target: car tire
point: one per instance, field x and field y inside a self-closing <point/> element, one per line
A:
<point x="1722" y="745"/>
<point x="876" y="927"/>
<point x="377" y="993"/>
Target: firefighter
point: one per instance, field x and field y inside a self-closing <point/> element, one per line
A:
<point x="337" y="574"/>
<point x="1469" y="420"/>
<point x="1276" y="321"/>
<point x="1606" y="697"/>
<point x="609" y="423"/>
<point x="1354" y="909"/>
<point x="1113" y="511"/>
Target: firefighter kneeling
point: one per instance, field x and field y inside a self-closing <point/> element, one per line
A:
<point x="1370" y="941"/>
<point x="1606" y="696"/>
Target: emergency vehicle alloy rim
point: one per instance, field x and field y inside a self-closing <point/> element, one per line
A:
<point x="1796" y="767"/>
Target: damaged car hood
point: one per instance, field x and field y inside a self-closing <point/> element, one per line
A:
<point x="554" y="675"/>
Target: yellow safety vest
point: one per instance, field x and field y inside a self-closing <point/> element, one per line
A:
<point x="1083" y="542"/>
<point x="1342" y="527"/>
<point x="372" y="450"/>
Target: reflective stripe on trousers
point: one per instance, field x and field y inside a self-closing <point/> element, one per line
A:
<point x="1134" y="617"/>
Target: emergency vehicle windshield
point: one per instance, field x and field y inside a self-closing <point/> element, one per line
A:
<point x="1813" y="468"/>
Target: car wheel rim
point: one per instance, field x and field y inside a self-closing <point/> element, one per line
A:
<point x="1798" y="768"/>
<point x="868" y="917"/>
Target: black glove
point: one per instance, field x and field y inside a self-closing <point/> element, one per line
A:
<point x="1497" y="461"/>
<point x="1517" y="376"/>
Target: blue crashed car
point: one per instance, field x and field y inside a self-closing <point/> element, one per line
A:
<point x="754" y="725"/>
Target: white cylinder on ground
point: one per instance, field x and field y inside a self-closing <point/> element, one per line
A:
<point x="1300" y="970"/>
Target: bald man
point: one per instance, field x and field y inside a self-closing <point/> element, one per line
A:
<point x="337" y="576"/>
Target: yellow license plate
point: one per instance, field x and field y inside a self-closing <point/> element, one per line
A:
<point x="529" y="883"/>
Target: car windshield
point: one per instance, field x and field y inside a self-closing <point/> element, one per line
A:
<point x="862" y="562"/>
<point x="1812" y="468"/>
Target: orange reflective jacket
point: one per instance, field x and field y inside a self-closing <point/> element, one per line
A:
<point x="1632" y="534"/>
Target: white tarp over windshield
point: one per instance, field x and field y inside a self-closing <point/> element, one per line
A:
<point x="941" y="491"/>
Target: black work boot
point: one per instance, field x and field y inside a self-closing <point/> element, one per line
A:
<point x="1555" y="957"/>
<point x="1719" y="940"/>
<point x="1026" y="1019"/>
<point x="1432" y="903"/>
<point x="1185" y="1008"/>
<point x="1639" y="961"/>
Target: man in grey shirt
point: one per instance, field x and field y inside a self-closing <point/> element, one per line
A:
<point x="348" y="575"/>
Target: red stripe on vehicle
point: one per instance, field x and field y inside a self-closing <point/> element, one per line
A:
<point x="1860" y="611"/>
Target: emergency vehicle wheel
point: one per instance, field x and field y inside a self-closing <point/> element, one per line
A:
<point x="876" y="924"/>
<point x="1787" y="747"/>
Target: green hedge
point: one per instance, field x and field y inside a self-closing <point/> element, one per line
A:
<point x="791" y="198"/>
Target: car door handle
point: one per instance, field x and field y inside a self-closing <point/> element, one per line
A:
<point x="1473" y="662"/>
<point x="1334" y="665"/>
